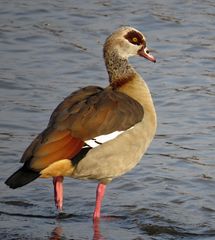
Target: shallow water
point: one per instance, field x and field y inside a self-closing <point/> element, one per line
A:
<point x="51" y="48"/>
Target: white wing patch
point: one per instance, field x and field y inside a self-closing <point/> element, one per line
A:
<point x="102" y="139"/>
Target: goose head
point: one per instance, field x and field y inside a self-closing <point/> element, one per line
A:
<point x="126" y="42"/>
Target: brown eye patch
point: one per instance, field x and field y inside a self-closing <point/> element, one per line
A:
<point x="135" y="38"/>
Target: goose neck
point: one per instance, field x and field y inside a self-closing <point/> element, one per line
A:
<point x="118" y="68"/>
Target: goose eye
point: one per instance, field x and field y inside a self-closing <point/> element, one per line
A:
<point x="134" y="40"/>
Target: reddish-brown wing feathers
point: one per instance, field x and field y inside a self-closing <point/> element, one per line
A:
<point x="87" y="113"/>
<point x="50" y="147"/>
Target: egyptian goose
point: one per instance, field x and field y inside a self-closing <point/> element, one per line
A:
<point x="96" y="133"/>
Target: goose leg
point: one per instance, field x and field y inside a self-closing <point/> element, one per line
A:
<point x="100" y="192"/>
<point x="58" y="192"/>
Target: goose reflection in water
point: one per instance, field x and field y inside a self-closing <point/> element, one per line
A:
<point x="57" y="233"/>
<point x="96" y="231"/>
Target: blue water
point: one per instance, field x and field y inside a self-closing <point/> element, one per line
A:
<point x="49" y="49"/>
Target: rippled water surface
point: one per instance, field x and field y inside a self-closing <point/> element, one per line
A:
<point x="49" y="49"/>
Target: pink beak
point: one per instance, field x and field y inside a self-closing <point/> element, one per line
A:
<point x="144" y="52"/>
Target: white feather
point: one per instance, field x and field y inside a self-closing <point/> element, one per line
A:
<point x="102" y="139"/>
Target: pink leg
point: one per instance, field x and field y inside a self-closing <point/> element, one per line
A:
<point x="58" y="192"/>
<point x="100" y="192"/>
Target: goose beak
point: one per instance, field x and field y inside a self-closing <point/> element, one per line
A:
<point x="144" y="52"/>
